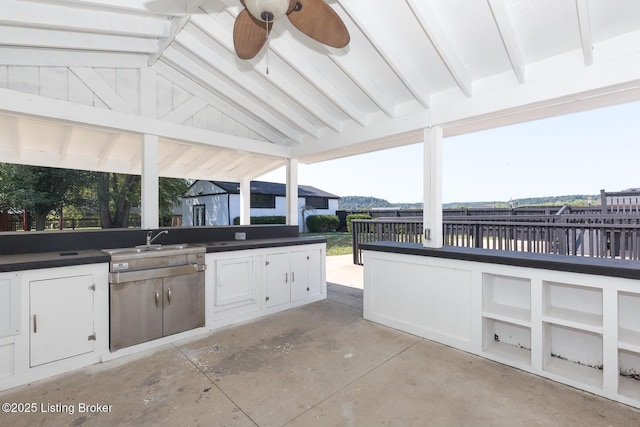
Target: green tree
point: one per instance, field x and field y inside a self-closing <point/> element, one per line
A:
<point x="170" y="190"/>
<point x="40" y="190"/>
<point x="117" y="193"/>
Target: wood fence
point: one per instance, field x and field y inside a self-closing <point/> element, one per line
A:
<point x="604" y="236"/>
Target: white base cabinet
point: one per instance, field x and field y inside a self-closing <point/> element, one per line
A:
<point x="246" y="284"/>
<point x="579" y="329"/>
<point x="57" y="321"/>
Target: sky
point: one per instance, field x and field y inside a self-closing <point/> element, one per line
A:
<point x="579" y="153"/>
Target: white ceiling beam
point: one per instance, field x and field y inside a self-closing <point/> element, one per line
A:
<point x="221" y="159"/>
<point x="282" y="81"/>
<point x="63" y="17"/>
<point x="38" y="37"/>
<point x="229" y="166"/>
<point x="358" y="75"/>
<point x="505" y="28"/>
<point x="259" y="91"/>
<point x="174" y="156"/>
<point x="247" y="168"/>
<point x="185" y="110"/>
<point x="177" y="24"/>
<point x="158" y="7"/>
<point x="101" y="89"/>
<point x="18" y="103"/>
<point x="25" y="56"/>
<point x="14" y="135"/>
<point x="440" y="42"/>
<point x="204" y="92"/>
<point x="586" y="39"/>
<point x="285" y="46"/>
<point x="198" y="162"/>
<point x="107" y="148"/>
<point x="380" y="134"/>
<point x="64" y="150"/>
<point x="265" y="167"/>
<point x="377" y="32"/>
<point x="209" y="79"/>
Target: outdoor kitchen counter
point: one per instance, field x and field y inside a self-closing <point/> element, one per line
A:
<point x="238" y="245"/>
<point x="574" y="264"/>
<point x="39" y="260"/>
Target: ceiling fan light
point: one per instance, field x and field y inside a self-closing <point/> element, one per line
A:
<point x="267" y="9"/>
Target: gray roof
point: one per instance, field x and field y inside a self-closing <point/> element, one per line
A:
<point x="274" y="189"/>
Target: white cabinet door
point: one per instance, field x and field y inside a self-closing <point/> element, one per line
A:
<point x="234" y="281"/>
<point x="9" y="304"/>
<point x="316" y="274"/>
<point x="278" y="279"/>
<point x="306" y="274"/>
<point x="299" y="275"/>
<point x="61" y="318"/>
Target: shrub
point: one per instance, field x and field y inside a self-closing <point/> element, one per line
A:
<point x="273" y="219"/>
<point x="322" y="223"/>
<point x="355" y="216"/>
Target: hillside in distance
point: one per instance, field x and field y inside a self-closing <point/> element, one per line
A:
<point x="357" y="203"/>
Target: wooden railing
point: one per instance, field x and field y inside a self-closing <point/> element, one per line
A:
<point x="606" y="237"/>
<point x="382" y="229"/>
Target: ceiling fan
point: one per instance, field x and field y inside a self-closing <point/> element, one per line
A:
<point x="314" y="18"/>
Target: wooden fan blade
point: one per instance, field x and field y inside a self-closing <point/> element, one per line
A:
<point x="249" y="35"/>
<point x="317" y="20"/>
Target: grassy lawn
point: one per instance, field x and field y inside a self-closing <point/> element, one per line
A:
<point x="337" y="243"/>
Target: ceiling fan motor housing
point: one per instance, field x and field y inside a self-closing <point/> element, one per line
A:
<point x="267" y="10"/>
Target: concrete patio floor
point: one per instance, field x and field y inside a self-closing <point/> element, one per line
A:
<point x="318" y="365"/>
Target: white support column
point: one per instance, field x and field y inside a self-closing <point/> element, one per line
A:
<point x="150" y="194"/>
<point x="292" y="192"/>
<point x="433" y="187"/>
<point x="245" y="201"/>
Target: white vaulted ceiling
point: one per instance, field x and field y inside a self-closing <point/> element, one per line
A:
<point x="82" y="80"/>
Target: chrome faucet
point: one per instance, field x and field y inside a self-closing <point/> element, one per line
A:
<point x="151" y="239"/>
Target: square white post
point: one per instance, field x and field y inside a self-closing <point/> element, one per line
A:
<point x="150" y="193"/>
<point x="432" y="211"/>
<point x="292" y="192"/>
<point x="245" y="201"/>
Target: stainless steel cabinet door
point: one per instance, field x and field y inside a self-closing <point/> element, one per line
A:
<point x="184" y="303"/>
<point x="136" y="312"/>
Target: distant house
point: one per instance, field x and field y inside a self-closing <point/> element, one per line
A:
<point x="218" y="202"/>
<point x="626" y="201"/>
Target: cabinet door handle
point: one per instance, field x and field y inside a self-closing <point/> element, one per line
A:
<point x="157" y="296"/>
<point x="286" y="277"/>
<point x="293" y="277"/>
<point x="169" y="296"/>
<point x="35" y="324"/>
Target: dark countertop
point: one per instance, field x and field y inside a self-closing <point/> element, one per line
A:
<point x="38" y="260"/>
<point x="628" y="269"/>
<point x="238" y="245"/>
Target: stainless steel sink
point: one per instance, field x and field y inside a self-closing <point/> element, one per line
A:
<point x="145" y="248"/>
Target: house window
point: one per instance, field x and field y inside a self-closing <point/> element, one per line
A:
<point x="198" y="215"/>
<point x="263" y="201"/>
<point x="317" y="202"/>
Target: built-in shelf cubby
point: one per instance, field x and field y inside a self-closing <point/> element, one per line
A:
<point x="629" y="321"/>
<point x="507" y="340"/>
<point x="573" y="353"/>
<point x="573" y="306"/>
<point x="629" y="380"/>
<point x="506" y="311"/>
<point x="507" y="299"/>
